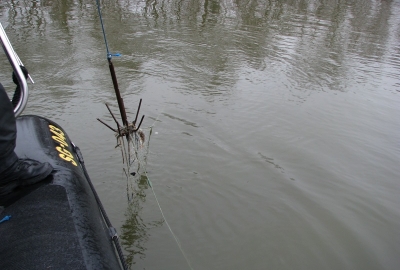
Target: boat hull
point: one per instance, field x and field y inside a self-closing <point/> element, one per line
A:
<point x="55" y="224"/>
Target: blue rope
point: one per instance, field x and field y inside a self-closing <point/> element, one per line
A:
<point x="5" y="219"/>
<point x="109" y="55"/>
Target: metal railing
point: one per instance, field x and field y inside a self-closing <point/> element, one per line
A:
<point x="16" y="64"/>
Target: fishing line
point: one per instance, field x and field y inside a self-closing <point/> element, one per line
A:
<point x="166" y="222"/>
<point x="158" y="203"/>
<point x="158" y="116"/>
<point x="139" y="160"/>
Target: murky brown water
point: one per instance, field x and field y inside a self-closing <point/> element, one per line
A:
<point x="276" y="140"/>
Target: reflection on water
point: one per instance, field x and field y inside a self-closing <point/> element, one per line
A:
<point x="207" y="45"/>
<point x="277" y="124"/>
<point x="135" y="231"/>
<point x="206" y="42"/>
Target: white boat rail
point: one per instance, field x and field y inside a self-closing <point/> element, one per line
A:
<point x="16" y="64"/>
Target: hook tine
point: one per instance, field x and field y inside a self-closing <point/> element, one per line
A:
<point x="107" y="125"/>
<point x="112" y="114"/>
<point x="137" y="113"/>
<point x="118" y="126"/>
<point x="141" y="120"/>
<point x="119" y="129"/>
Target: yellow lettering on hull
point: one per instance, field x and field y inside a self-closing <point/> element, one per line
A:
<point x="62" y="149"/>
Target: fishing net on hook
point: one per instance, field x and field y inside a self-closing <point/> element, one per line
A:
<point x="135" y="150"/>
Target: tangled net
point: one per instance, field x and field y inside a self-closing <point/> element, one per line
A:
<point x="135" y="150"/>
<point x="134" y="144"/>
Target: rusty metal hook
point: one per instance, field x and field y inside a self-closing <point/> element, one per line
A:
<point x="141" y="120"/>
<point x="137" y="112"/>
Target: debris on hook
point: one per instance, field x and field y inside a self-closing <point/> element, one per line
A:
<point x="127" y="130"/>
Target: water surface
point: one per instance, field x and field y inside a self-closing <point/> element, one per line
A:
<point x="276" y="141"/>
